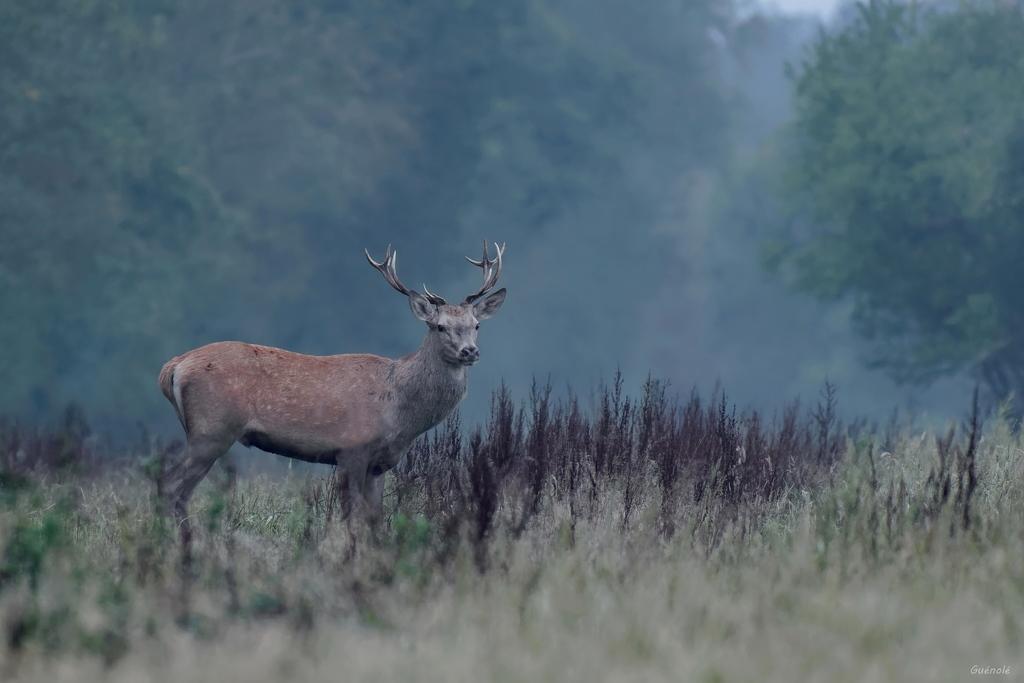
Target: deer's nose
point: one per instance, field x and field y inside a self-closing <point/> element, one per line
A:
<point x="469" y="353"/>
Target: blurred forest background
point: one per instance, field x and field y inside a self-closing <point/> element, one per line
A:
<point x="692" y="188"/>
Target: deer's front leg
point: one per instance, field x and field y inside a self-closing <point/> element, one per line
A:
<point x="365" y="489"/>
<point x="373" y="493"/>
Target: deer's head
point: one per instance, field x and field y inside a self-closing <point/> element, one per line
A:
<point x="452" y="328"/>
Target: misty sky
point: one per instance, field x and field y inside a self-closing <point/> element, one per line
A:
<point x="620" y="143"/>
<point x="821" y="7"/>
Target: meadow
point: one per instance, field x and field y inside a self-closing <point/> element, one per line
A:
<point x="622" y="538"/>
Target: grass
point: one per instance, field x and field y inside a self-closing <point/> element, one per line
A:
<point x="639" y="540"/>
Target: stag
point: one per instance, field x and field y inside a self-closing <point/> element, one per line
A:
<point x="359" y="412"/>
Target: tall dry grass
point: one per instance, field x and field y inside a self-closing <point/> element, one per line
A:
<point x="610" y="539"/>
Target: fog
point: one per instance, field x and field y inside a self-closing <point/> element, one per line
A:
<point x="176" y="177"/>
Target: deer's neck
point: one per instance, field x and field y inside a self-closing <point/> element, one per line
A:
<point x="429" y="387"/>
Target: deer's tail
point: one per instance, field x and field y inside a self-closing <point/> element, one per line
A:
<point x="172" y="390"/>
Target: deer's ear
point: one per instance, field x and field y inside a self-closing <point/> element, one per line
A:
<point x="489" y="305"/>
<point x="421" y="308"/>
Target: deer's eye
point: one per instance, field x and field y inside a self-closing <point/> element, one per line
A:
<point x="440" y="328"/>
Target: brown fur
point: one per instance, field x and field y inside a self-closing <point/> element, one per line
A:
<point x="357" y="411"/>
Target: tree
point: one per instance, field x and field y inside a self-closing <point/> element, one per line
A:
<point x="173" y="173"/>
<point x="906" y="184"/>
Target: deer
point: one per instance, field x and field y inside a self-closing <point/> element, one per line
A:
<point x="358" y="412"/>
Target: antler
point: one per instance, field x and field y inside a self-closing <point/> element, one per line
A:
<point x="387" y="269"/>
<point x="491" y="268"/>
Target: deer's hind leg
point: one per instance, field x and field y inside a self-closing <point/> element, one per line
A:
<point x="176" y="488"/>
<point x="201" y="452"/>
